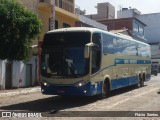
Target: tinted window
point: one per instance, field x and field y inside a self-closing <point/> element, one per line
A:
<point x="66" y="39"/>
<point x="133" y="48"/>
<point x="65" y="25"/>
<point x="143" y="50"/>
<point x="63" y="54"/>
<point x="96" y="52"/>
<point x="121" y="46"/>
<point x="118" y="45"/>
<point x="108" y="44"/>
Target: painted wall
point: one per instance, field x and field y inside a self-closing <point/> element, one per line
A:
<point x="104" y="11"/>
<point x="61" y="16"/>
<point x="2" y="75"/>
<point x="44" y="15"/>
<point x="19" y="72"/>
<point x="30" y="4"/>
<point x="127" y="13"/>
<point x="153" y="26"/>
<point x="64" y="19"/>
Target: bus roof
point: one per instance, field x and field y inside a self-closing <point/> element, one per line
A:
<point x="71" y="29"/>
<point x="74" y="29"/>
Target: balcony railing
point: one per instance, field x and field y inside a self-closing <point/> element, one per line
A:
<point x="64" y="4"/>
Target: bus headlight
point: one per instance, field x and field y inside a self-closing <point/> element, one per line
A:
<point x="80" y="83"/>
<point x="45" y="83"/>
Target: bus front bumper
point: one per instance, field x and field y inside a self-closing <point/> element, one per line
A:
<point x="87" y="89"/>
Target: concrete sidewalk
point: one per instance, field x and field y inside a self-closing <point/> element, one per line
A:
<point x="19" y="91"/>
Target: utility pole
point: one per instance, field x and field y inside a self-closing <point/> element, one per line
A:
<point x="52" y="18"/>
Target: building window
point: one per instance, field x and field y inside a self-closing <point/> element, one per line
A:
<point x="96" y="52"/>
<point x="65" y="25"/>
<point x="60" y="3"/>
<point x="56" y="24"/>
<point x="136" y="27"/>
<point x="141" y="30"/>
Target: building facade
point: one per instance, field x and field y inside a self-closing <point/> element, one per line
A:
<point x="104" y="11"/>
<point x="87" y="22"/>
<point x="62" y="12"/>
<point x="127" y="13"/>
<point x="151" y="30"/>
<point x="134" y="26"/>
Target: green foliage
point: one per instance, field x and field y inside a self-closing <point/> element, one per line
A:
<point x="18" y="28"/>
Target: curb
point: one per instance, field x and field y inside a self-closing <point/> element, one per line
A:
<point x="21" y="91"/>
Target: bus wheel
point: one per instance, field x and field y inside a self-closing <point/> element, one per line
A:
<point x="105" y="90"/>
<point x="142" y="79"/>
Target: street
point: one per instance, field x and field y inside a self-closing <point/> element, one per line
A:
<point x="131" y="99"/>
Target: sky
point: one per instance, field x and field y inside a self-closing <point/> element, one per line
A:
<point x="144" y="6"/>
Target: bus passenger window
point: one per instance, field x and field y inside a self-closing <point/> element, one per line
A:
<point x="96" y="52"/>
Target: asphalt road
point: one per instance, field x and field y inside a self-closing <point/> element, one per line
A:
<point x="127" y="103"/>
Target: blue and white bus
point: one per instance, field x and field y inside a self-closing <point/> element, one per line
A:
<point x="83" y="61"/>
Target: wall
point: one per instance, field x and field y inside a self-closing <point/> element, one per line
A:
<point x="2" y="75"/>
<point x="155" y="51"/>
<point x="124" y="13"/>
<point x="104" y="11"/>
<point x="64" y="19"/>
<point x="117" y="24"/>
<point x="30" y="4"/>
<point x="127" y="13"/>
<point x="86" y="22"/>
<point x="153" y="26"/>
<point x="18" y="73"/>
<point x="44" y="15"/>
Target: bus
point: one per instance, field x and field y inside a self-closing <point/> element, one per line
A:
<point x="83" y="61"/>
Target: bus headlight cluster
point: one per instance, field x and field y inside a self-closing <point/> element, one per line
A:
<point x="80" y="83"/>
<point x="45" y="83"/>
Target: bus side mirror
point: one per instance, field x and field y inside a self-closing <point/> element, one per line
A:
<point x="87" y="49"/>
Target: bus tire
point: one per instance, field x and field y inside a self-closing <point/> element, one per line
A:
<point x="142" y="79"/>
<point x="105" y="89"/>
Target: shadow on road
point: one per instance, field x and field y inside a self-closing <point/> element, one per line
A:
<point x="54" y="103"/>
<point x="57" y="103"/>
<point x="124" y="90"/>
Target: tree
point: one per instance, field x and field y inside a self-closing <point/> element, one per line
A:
<point x="19" y="27"/>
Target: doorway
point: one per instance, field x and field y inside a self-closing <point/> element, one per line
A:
<point x="8" y="75"/>
<point x="28" y="75"/>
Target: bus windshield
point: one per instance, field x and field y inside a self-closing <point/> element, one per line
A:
<point x="63" y="54"/>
